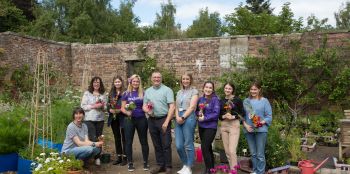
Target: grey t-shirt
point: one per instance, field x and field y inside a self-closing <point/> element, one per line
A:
<point x="72" y="131"/>
<point x="183" y="98"/>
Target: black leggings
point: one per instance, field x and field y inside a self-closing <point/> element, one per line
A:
<point x="95" y="129"/>
<point x="119" y="137"/>
<point x="207" y="136"/>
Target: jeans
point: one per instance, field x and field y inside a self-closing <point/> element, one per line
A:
<point x="84" y="152"/>
<point x="230" y="135"/>
<point x="95" y="129"/>
<point x="207" y="136"/>
<point x="256" y="142"/>
<point x="119" y="137"/>
<point x="161" y="141"/>
<point x="140" y="124"/>
<point x="184" y="138"/>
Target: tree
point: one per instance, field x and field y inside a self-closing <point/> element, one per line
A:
<point x="315" y="24"/>
<point x="165" y="21"/>
<point x="11" y="18"/>
<point x="343" y="17"/>
<point x="243" y="21"/>
<point x="259" y="6"/>
<point x="206" y="25"/>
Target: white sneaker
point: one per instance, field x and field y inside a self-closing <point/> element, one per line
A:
<point x="187" y="170"/>
<point x="98" y="162"/>
<point x="253" y="173"/>
<point x="182" y="170"/>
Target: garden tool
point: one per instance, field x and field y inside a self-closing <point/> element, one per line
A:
<point x="307" y="166"/>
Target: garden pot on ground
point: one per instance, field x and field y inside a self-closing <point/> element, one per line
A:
<point x="8" y="162"/>
<point x="105" y="158"/>
<point x="24" y="166"/>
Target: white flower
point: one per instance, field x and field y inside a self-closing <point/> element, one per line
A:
<point x="244" y="150"/>
<point x="32" y="164"/>
<point x="38" y="167"/>
<point x="37" y="158"/>
<point x="68" y="160"/>
<point x="61" y="161"/>
<point x="50" y="168"/>
<point x="42" y="154"/>
<point x="47" y="160"/>
<point x="59" y="158"/>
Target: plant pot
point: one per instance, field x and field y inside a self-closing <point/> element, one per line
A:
<point x="8" y="162"/>
<point x="105" y="158"/>
<point x="58" y="147"/>
<point x="24" y="166"/>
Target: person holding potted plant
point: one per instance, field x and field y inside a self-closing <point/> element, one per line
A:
<point x="186" y="101"/>
<point x="93" y="103"/>
<point x="230" y="114"/>
<point x="208" y="112"/>
<point x="77" y="141"/>
<point x="258" y="118"/>
<point x="137" y="120"/>
<point x="116" y="119"/>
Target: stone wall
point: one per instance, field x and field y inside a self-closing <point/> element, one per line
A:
<point x="205" y="58"/>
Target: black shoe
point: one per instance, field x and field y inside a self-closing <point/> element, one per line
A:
<point x="131" y="167"/>
<point x="124" y="162"/>
<point x="118" y="161"/>
<point x="157" y="169"/>
<point x="145" y="166"/>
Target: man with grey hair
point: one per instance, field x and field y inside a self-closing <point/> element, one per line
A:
<point x="161" y="98"/>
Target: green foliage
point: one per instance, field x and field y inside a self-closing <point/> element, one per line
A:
<point x="259" y="6"/>
<point x="243" y="21"/>
<point x="315" y="24"/>
<point x="14" y="132"/>
<point x="276" y="149"/>
<point x="343" y="16"/>
<point x="22" y="79"/>
<point x="242" y="148"/>
<point x="165" y="22"/>
<point x="55" y="164"/>
<point x="26" y="152"/>
<point x="206" y="25"/>
<point x="325" y="122"/>
<point x="11" y="17"/>
<point x="294" y="142"/>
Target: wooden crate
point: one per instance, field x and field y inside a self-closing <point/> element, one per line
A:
<point x="344" y="140"/>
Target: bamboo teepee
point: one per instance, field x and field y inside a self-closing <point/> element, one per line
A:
<point x="40" y="117"/>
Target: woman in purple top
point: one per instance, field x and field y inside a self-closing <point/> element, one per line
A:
<point x="208" y="110"/>
<point x="116" y="119"/>
<point x="135" y="119"/>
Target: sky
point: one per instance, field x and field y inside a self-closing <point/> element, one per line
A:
<point x="188" y="10"/>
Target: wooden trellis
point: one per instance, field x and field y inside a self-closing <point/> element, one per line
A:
<point x="40" y="113"/>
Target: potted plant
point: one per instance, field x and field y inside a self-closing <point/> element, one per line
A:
<point x="14" y="135"/>
<point x="54" y="163"/>
<point x="25" y="160"/>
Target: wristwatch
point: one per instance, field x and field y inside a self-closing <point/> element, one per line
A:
<point x="93" y="144"/>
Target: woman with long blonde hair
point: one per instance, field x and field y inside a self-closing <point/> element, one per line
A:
<point x="135" y="119"/>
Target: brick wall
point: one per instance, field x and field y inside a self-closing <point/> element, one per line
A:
<point x="205" y="58"/>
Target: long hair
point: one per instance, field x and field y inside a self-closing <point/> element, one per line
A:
<point x="232" y="86"/>
<point x="101" y="90"/>
<point x="191" y="79"/>
<point x="213" y="93"/>
<point x="130" y="88"/>
<point x="257" y="84"/>
<point x="113" y="88"/>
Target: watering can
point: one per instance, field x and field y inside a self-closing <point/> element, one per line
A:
<point x="307" y="167"/>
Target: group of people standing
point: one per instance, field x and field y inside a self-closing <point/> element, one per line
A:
<point x="153" y="110"/>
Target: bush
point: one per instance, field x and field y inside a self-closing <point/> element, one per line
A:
<point x="277" y="153"/>
<point x="14" y="130"/>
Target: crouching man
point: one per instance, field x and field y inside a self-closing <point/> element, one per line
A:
<point x="77" y="142"/>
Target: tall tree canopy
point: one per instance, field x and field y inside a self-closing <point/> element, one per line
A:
<point x="165" y="21"/>
<point x="206" y="25"/>
<point x="11" y="18"/>
<point x="259" y="6"/>
<point x="342" y="17"/>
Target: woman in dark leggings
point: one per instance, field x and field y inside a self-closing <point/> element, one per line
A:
<point x="208" y="110"/>
<point x="116" y="119"/>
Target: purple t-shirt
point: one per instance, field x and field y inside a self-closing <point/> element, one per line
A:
<point x="134" y="97"/>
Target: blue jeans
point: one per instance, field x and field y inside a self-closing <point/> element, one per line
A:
<point x="256" y="142"/>
<point x="184" y="138"/>
<point x="84" y="152"/>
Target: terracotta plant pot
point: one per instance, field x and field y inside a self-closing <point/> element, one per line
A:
<point x="75" y="172"/>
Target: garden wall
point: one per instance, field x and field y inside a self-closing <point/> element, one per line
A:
<point x="205" y="57"/>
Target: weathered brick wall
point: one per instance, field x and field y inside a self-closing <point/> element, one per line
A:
<point x="205" y="58"/>
<point x="21" y="50"/>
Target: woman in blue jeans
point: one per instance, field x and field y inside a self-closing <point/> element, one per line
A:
<point x="186" y="101"/>
<point x="258" y="118"/>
